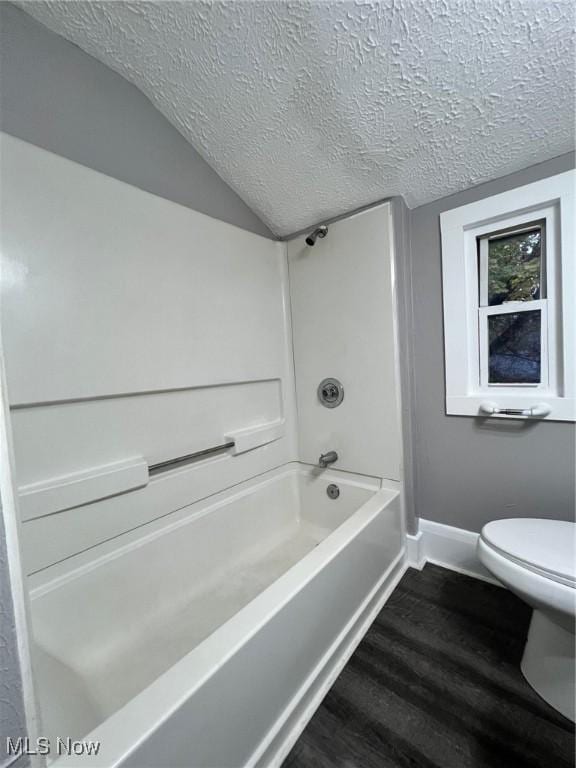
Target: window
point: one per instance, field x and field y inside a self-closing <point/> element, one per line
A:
<point x="509" y="290"/>
<point x="512" y="312"/>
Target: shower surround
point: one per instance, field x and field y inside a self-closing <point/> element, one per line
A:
<point x="169" y="597"/>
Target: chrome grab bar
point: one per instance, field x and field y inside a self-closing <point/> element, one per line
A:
<point x="160" y="465"/>
<point x="536" y="411"/>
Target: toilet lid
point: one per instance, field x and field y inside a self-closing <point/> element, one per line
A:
<point x="545" y="546"/>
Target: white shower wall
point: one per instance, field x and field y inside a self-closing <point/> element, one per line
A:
<point x="343" y="309"/>
<point x="133" y="328"/>
<point x="136" y="330"/>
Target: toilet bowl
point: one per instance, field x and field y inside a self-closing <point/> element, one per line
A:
<point x="536" y="559"/>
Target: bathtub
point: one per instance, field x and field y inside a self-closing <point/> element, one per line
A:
<point x="208" y="640"/>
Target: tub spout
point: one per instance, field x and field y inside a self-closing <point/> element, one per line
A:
<point x="328" y="458"/>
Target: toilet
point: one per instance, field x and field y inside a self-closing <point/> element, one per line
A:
<point x="536" y="560"/>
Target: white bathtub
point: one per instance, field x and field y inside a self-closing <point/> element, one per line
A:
<point x="208" y="641"/>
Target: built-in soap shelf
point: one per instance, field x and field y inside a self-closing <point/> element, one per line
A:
<point x="90" y="485"/>
<point x="254" y="437"/>
<point x="64" y="492"/>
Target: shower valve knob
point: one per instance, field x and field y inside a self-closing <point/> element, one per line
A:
<point x="330" y="392"/>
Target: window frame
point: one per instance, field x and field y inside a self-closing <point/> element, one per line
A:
<point x="550" y="201"/>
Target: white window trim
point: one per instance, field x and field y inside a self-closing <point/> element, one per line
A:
<point x="552" y="199"/>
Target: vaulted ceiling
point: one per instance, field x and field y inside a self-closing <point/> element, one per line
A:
<point x="312" y="109"/>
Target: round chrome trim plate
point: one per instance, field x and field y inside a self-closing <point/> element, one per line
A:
<point x="330" y="392"/>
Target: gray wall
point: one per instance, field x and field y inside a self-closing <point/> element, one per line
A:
<point x="54" y="95"/>
<point x="467" y="472"/>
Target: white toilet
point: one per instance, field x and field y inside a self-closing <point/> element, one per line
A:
<point x="536" y="559"/>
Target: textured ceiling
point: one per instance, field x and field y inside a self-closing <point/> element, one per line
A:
<point x="312" y="109"/>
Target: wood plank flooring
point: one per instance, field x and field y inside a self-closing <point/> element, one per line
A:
<point x="436" y="683"/>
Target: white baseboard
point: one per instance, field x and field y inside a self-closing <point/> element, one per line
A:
<point x="415" y="550"/>
<point x="450" y="547"/>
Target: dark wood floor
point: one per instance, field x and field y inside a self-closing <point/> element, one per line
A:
<point x="436" y="683"/>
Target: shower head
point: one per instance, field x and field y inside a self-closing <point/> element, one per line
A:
<point x="319" y="232"/>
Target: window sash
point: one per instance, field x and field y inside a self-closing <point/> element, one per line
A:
<point x="514" y="307"/>
<point x="484" y="250"/>
<point x="477" y="356"/>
